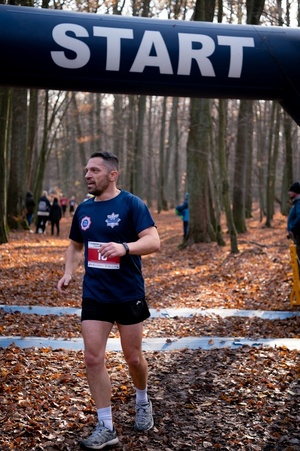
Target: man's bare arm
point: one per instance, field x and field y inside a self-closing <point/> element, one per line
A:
<point x="73" y="258"/>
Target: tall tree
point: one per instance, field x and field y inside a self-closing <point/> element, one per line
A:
<point x="214" y="191"/>
<point x="197" y="172"/>
<point x="198" y="152"/>
<point x="149" y="157"/>
<point x="249" y="163"/>
<point x="118" y="127"/>
<point x="242" y="147"/>
<point x="171" y="161"/>
<point x="32" y="136"/>
<point x="162" y="203"/>
<point x="223" y="163"/>
<point x="262" y="125"/>
<point x="5" y="108"/>
<point x="17" y="173"/>
<point x="139" y="147"/>
<point x="244" y="137"/>
<point x="131" y="128"/>
<point x="288" y="177"/>
<point x="143" y="7"/>
<point x="79" y="134"/>
<point x="225" y="178"/>
<point x="273" y="150"/>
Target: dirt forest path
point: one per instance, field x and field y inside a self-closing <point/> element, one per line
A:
<point x="241" y="399"/>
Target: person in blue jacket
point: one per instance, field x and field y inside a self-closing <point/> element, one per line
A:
<point x="293" y="222"/>
<point x="183" y="211"/>
<point x="114" y="228"/>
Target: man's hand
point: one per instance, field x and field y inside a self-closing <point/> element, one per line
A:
<point x="63" y="283"/>
<point x="73" y="257"/>
<point x="109" y="250"/>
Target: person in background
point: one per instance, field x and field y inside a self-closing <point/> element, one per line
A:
<point x="63" y="203"/>
<point x="115" y="228"/>
<point x="72" y="205"/>
<point x="44" y="206"/>
<point x="87" y="197"/>
<point x="293" y="222"/>
<point x="183" y="211"/>
<point x="55" y="216"/>
<point x="29" y="205"/>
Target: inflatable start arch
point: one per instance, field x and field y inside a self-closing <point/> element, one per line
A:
<point x="115" y="54"/>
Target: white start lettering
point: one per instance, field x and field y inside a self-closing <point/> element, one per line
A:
<point x="152" y="50"/>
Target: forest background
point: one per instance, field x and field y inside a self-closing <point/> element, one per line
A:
<point x="227" y="154"/>
<point x="233" y="156"/>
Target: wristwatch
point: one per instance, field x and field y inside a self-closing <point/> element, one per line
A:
<point x="126" y="248"/>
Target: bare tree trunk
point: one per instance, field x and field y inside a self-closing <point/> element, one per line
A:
<point x="161" y="202"/>
<point x="249" y="163"/>
<point x="131" y="126"/>
<point x="5" y="106"/>
<point x="118" y="133"/>
<point x="272" y="160"/>
<point x="17" y="173"/>
<point x="99" y="127"/>
<point x="92" y="121"/>
<point x="198" y="152"/>
<point x="82" y="154"/>
<point x="261" y="126"/>
<point x="244" y="139"/>
<point x="139" y="147"/>
<point x="32" y="136"/>
<point x="221" y="143"/>
<point x="225" y="178"/>
<point x="215" y="196"/>
<point x="288" y="178"/>
<point x="240" y="168"/>
<point x="197" y="170"/>
<point x="149" y="157"/>
<point x="171" y="162"/>
<point x="41" y="163"/>
<point x="68" y="153"/>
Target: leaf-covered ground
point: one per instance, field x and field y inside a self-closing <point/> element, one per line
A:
<point x="243" y="399"/>
<point x="202" y="276"/>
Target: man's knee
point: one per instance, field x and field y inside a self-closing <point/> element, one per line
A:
<point x="134" y="359"/>
<point x="93" y="359"/>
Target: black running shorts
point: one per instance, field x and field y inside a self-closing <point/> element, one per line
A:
<point x="126" y="313"/>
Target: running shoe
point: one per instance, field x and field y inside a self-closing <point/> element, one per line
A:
<point x="100" y="437"/>
<point x="144" y="419"/>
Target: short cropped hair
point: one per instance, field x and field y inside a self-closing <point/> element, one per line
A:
<point x="109" y="158"/>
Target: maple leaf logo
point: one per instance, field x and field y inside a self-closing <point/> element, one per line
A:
<point x="112" y="220"/>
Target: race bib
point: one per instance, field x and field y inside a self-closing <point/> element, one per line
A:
<point x="96" y="260"/>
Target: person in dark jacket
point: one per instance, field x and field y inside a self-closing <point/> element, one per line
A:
<point x="293" y="222"/>
<point x="29" y="205"/>
<point x="55" y="216"/>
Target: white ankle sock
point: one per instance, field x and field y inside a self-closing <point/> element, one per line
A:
<point x="141" y="396"/>
<point x="105" y="415"/>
